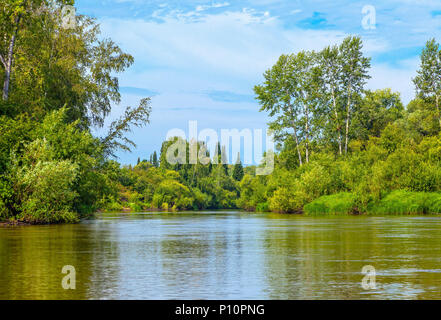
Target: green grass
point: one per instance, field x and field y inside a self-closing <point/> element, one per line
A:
<point x="336" y="204"/>
<point x="398" y="202"/>
<point x="263" y="207"/>
<point x="406" y="202"/>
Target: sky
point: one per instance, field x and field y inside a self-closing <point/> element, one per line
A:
<point x="199" y="60"/>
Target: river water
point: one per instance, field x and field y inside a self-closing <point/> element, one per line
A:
<point x="224" y="255"/>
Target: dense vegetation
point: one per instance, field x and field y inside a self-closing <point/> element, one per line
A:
<point x="341" y="149"/>
<point x="345" y="149"/>
<point x="58" y="83"/>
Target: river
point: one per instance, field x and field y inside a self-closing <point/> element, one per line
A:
<point x="224" y="255"/>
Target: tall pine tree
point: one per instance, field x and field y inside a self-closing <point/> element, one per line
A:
<point x="238" y="172"/>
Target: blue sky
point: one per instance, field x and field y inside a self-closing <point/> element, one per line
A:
<point x="200" y="60"/>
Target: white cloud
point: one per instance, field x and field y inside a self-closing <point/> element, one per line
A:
<point x="214" y="5"/>
<point x="397" y="78"/>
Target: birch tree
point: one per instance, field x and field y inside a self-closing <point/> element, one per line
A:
<point x="330" y="63"/>
<point x="289" y="95"/>
<point x="428" y="80"/>
<point x="11" y="16"/>
<point x="354" y="73"/>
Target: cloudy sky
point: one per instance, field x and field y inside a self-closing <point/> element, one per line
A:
<point x="199" y="59"/>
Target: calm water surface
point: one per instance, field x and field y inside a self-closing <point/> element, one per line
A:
<point x="224" y="255"/>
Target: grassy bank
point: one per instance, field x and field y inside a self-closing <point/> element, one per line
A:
<point x="398" y="202"/>
<point x="337" y="204"/>
<point x="405" y="202"/>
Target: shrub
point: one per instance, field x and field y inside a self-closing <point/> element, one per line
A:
<point x="287" y="201"/>
<point x="406" y="202"/>
<point x="5" y="199"/>
<point x="46" y="193"/>
<point x="113" y="206"/>
<point x="340" y="203"/>
<point x="263" y="207"/>
<point x="43" y="188"/>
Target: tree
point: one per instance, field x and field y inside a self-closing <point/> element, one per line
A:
<point x="238" y="172"/>
<point x="16" y="16"/>
<point x="220" y="157"/>
<point x="330" y="63"/>
<point x="428" y="80"/>
<point x="155" y="160"/>
<point x="376" y="110"/>
<point x="11" y="22"/>
<point x="290" y="94"/>
<point x="58" y="66"/>
<point x="116" y="137"/>
<point x="421" y="119"/>
<point x="10" y="19"/>
<point x="354" y="73"/>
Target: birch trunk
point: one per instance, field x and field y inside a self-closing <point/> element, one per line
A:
<point x="297" y="144"/>
<point x="295" y="135"/>
<point x="336" y="121"/>
<point x="9" y="61"/>
<point x="307" y="134"/>
<point x="437" y="108"/>
<point x="348" y="116"/>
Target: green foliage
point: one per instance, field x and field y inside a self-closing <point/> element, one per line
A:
<point x="336" y="204"/>
<point x="58" y="83"/>
<point x="377" y="109"/>
<point x="285" y="200"/>
<point x="57" y="67"/>
<point x="174" y="185"/>
<point x="405" y="202"/>
<point x="6" y="198"/>
<point x="421" y="119"/>
<point x="252" y="192"/>
<point x="174" y="194"/>
<point x="238" y="172"/>
<point x="290" y="95"/>
<point x="263" y="207"/>
<point x="427" y="82"/>
<point x="43" y="187"/>
<point x="116" y="138"/>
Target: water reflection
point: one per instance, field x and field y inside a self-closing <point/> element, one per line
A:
<point x="224" y="255"/>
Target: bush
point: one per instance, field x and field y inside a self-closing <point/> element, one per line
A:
<point x="171" y="193"/>
<point x="113" y="206"/>
<point x="406" y="202"/>
<point x="46" y="193"/>
<point x="6" y="194"/>
<point x="263" y="207"/>
<point x="43" y="188"/>
<point x="340" y="203"/>
<point x="287" y="201"/>
<point x="135" y="207"/>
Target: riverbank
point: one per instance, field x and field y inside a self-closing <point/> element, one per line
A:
<point x="13" y="223"/>
<point x="399" y="202"/>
